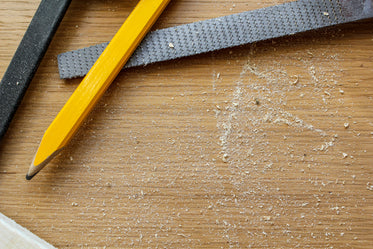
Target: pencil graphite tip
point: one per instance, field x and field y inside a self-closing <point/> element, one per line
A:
<point x="28" y="177"/>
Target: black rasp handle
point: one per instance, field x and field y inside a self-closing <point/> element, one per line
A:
<point x="27" y="58"/>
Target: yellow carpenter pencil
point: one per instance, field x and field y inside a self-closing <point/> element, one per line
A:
<point x="95" y="83"/>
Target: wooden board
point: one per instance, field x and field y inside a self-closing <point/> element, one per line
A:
<point x="264" y="145"/>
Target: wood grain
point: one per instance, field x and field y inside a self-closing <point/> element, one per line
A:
<point x="265" y="145"/>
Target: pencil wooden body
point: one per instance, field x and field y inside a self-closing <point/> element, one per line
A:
<point x="96" y="81"/>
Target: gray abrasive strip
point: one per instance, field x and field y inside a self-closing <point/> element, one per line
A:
<point x="227" y="31"/>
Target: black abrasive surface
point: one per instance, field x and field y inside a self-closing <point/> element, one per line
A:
<point x="28" y="57"/>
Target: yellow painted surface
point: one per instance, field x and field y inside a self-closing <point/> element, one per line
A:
<point x="99" y="78"/>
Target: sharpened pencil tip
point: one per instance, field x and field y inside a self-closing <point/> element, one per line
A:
<point x="28" y="177"/>
<point x="34" y="169"/>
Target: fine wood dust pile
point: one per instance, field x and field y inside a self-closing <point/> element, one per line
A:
<point x="280" y="140"/>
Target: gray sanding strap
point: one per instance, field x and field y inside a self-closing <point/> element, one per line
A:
<point x="224" y="32"/>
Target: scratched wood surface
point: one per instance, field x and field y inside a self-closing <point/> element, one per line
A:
<point x="265" y="145"/>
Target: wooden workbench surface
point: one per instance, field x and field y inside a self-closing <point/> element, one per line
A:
<point x="264" y="145"/>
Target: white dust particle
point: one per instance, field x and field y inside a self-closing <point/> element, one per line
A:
<point x="295" y="81"/>
<point x="369" y="186"/>
<point x="266" y="218"/>
<point x="225" y="158"/>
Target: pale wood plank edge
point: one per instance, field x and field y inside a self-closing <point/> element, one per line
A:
<point x="13" y="236"/>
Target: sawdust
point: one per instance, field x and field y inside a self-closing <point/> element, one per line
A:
<point x="267" y="101"/>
